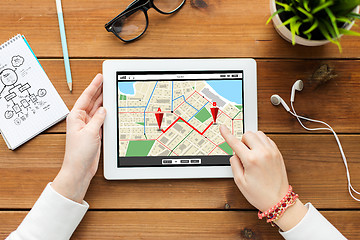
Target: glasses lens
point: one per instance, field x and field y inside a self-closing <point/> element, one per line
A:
<point x="131" y="26"/>
<point x="168" y="6"/>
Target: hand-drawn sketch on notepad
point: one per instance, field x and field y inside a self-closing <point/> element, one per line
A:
<point x="22" y="100"/>
<point x="29" y="103"/>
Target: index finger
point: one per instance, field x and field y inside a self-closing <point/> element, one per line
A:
<point x="84" y="100"/>
<point x="237" y="146"/>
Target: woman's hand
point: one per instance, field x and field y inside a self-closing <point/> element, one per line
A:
<point x="258" y="168"/>
<point x="83" y="142"/>
<point x="259" y="172"/>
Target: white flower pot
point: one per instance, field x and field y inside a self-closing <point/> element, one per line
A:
<point x="285" y="33"/>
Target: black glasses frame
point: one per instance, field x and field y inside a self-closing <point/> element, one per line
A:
<point x="137" y="5"/>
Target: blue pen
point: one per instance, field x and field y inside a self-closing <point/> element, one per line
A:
<point x="64" y="44"/>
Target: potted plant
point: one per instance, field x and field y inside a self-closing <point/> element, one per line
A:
<point x="314" y="22"/>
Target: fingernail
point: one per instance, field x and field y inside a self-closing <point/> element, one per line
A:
<point x="101" y="110"/>
<point x="99" y="75"/>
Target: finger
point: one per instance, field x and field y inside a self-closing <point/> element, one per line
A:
<point x="237" y="169"/>
<point x="251" y="140"/>
<point x="100" y="132"/>
<point x="237" y="146"/>
<point x="93" y="100"/>
<point x="74" y="121"/>
<point x="97" y="120"/>
<point x="273" y="143"/>
<point x="263" y="138"/>
<point x="85" y="98"/>
<point x="98" y="103"/>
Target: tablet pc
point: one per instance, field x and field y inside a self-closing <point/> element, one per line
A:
<point x="163" y="116"/>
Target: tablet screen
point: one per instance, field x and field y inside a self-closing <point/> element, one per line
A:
<point x="173" y="118"/>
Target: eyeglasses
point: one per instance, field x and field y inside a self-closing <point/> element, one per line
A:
<point x="133" y="22"/>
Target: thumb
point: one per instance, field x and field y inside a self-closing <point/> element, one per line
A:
<point x="97" y="120"/>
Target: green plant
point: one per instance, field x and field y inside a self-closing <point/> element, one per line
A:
<point x="317" y="19"/>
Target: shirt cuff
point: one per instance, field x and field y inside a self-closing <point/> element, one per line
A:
<point x="313" y="226"/>
<point x="52" y="217"/>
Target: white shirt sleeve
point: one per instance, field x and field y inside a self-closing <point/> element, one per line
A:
<point x="313" y="226"/>
<point x="52" y="217"/>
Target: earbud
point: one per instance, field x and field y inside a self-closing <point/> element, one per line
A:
<point x="276" y="100"/>
<point x="298" y="86"/>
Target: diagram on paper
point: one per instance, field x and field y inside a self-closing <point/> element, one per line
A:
<point x="21" y="99"/>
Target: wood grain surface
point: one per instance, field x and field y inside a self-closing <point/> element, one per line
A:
<point x="195" y="208"/>
<point x="181" y="225"/>
<point x="229" y="28"/>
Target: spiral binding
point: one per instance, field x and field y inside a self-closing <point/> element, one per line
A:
<point x="10" y="41"/>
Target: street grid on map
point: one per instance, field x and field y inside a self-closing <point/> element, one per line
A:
<point x="187" y="127"/>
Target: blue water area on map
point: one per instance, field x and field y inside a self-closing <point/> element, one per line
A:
<point x="229" y="89"/>
<point x="126" y="87"/>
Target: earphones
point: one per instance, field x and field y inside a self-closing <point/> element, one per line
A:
<point x="276" y="99"/>
<point x="298" y="86"/>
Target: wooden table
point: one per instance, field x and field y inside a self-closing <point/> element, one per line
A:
<point x="190" y="209"/>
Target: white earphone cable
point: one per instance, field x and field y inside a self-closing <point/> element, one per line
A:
<point x="329" y="128"/>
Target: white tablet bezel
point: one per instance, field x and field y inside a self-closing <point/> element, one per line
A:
<point x="110" y="67"/>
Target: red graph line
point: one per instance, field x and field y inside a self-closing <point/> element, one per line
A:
<point x="201" y="95"/>
<point x="131" y="112"/>
<point x="225" y="114"/>
<point x="184" y="101"/>
<point x="212" y="150"/>
<point x="171" y="125"/>
<point x="223" y="150"/>
<point x="190" y="125"/>
<point x="210" y="141"/>
<point x="160" y="134"/>
<point x="167" y="147"/>
<point x="124" y="140"/>
<point x="190" y="96"/>
<point x="179" y="106"/>
<point x="207" y="128"/>
<point x="180" y="118"/>
<point x="211" y="104"/>
<point x="176" y="114"/>
<point x="146" y="112"/>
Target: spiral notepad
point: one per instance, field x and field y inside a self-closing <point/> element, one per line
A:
<point x="29" y="103"/>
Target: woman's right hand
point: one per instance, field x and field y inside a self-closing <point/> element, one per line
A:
<point x="83" y="143"/>
<point x="260" y="174"/>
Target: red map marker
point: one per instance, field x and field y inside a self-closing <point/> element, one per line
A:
<point x="159" y="117"/>
<point x="214" y="111"/>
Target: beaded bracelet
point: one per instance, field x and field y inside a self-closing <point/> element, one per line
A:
<point x="278" y="210"/>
